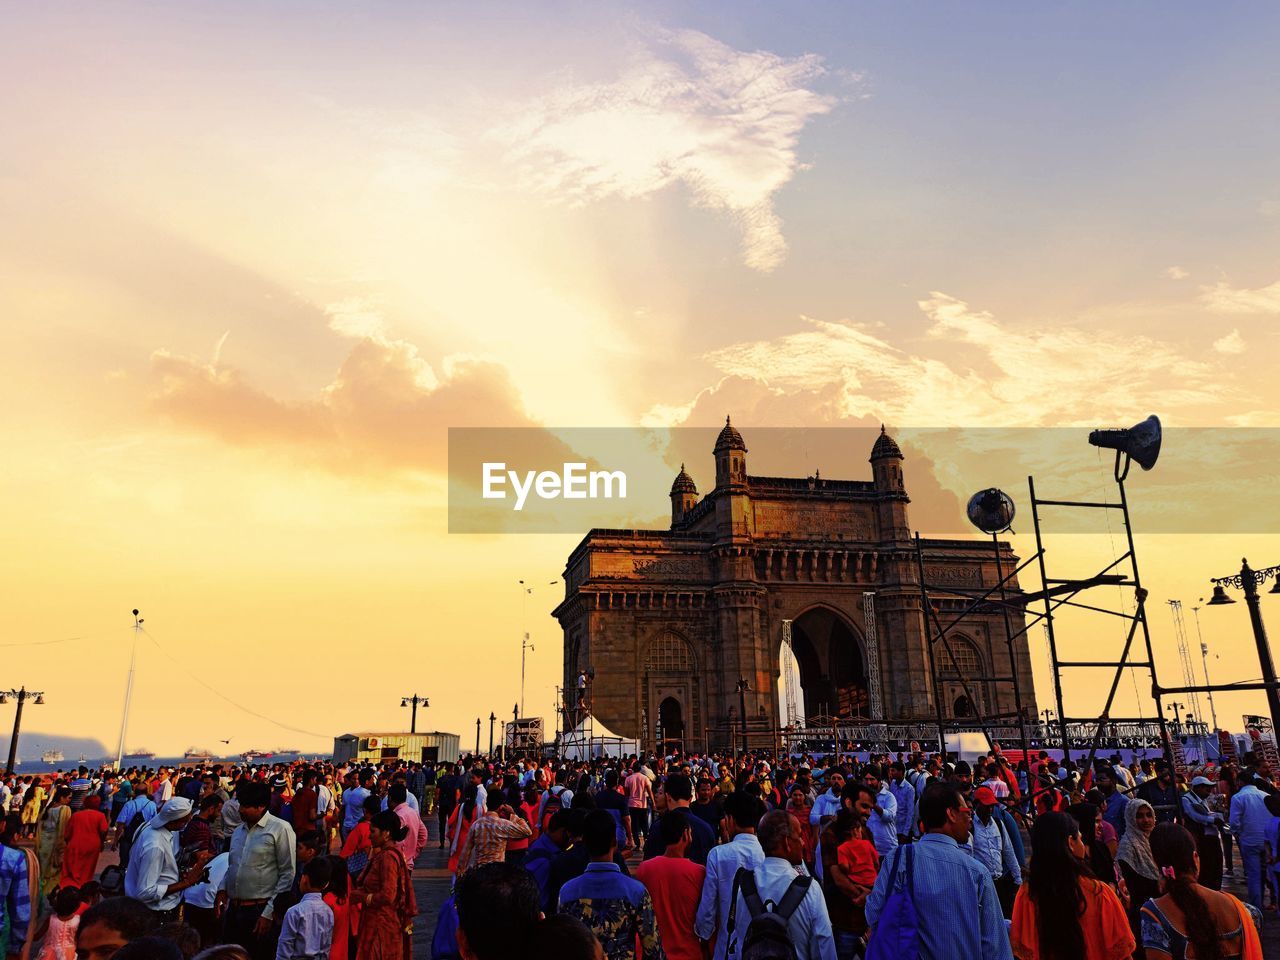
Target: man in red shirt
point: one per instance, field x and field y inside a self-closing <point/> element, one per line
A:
<point x="304" y="805"/>
<point x="674" y="883"/>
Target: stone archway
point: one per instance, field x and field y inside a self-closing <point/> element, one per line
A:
<point x="832" y="665"/>
<point x="671" y="716"/>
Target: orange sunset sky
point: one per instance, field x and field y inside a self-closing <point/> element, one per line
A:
<point x="256" y="259"/>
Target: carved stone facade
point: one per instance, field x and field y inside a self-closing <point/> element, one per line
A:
<point x="669" y="621"/>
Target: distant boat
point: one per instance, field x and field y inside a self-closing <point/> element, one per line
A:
<point x="253" y="756"/>
<point x="197" y="753"/>
<point x="52" y="756"/>
<point x="140" y="755"/>
<point x="83" y="759"/>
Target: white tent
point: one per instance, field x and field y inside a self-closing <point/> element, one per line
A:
<point x="591" y="738"/>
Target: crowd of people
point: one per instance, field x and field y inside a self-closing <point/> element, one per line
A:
<point x="704" y="857"/>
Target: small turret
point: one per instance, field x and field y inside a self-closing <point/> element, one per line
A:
<point x="684" y="496"/>
<point x="884" y="470"/>
<point x="731" y="457"/>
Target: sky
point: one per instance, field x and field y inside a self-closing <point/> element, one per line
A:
<point x="256" y="259"/>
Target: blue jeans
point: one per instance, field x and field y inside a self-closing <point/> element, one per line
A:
<point x="848" y="945"/>
<point x="1251" y="857"/>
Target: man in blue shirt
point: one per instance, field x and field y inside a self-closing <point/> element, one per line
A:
<point x="1249" y="821"/>
<point x="1114" y="801"/>
<point x="904" y="794"/>
<point x="353" y="801"/>
<point x="741" y="814"/>
<point x="617" y="908"/>
<point x="957" y="911"/>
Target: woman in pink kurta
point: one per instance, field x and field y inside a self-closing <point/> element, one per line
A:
<point x="86" y="831"/>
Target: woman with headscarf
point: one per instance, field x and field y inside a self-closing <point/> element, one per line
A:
<point x="86" y="832"/>
<point x="1137" y="866"/>
<point x="51" y="841"/>
<point x="384" y="892"/>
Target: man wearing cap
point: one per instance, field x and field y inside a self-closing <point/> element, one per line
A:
<point x="152" y="875"/>
<point x="990" y="845"/>
<point x="1204" y="824"/>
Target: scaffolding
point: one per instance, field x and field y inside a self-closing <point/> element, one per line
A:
<point x="1137" y="621"/>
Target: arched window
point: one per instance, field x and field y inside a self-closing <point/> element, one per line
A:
<point x="966" y="658"/>
<point x="669" y="653"/>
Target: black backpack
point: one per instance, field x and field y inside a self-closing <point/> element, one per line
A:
<point x="767" y="937"/>
<point x="136" y="823"/>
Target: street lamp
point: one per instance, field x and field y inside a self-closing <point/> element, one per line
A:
<point x="1204" y="658"/>
<point x="1177" y="719"/>
<point x="1248" y="580"/>
<point x="477" y="736"/>
<point x="492" y="719"/>
<point x="21" y="695"/>
<point x="415" y="700"/>
<point x="525" y="642"/>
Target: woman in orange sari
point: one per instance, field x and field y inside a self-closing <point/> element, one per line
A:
<point x="385" y="895"/>
<point x="1063" y="912"/>
<point x="86" y="832"/>
<point x="460" y="821"/>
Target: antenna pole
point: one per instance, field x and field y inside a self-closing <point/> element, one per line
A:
<point x="128" y="691"/>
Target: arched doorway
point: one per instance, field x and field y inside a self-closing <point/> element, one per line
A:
<point x="672" y="719"/>
<point x="830" y="658"/>
<point x="963" y="707"/>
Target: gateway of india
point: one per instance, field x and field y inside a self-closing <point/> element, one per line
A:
<point x="667" y="624"/>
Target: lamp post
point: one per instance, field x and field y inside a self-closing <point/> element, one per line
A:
<point x="1248" y="579"/>
<point x="492" y="718"/>
<point x="525" y="642"/>
<point x="22" y="695"/>
<point x="413" y="718"/>
<point x="1204" y="658"/>
<point x="1177" y="719"/>
<point x="128" y="689"/>
<point x="477" y="736"/>
<point x="743" y="687"/>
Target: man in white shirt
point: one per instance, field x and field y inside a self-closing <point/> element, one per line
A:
<point x="883" y="821"/>
<point x="1249" y="821"/>
<point x="152" y="875"/>
<point x="741" y="814"/>
<point x="778" y="880"/>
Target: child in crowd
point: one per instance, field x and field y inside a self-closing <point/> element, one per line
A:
<point x="307" y="933"/>
<point x="60" y="941"/>
<point x="857" y="855"/>
<point x="335" y="895"/>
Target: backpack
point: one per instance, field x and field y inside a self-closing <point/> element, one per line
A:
<point x="136" y="823"/>
<point x="896" y="936"/>
<point x="766" y="937"/>
<point x="554" y="804"/>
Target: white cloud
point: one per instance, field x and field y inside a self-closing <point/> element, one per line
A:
<point x="1008" y="377"/>
<point x="1224" y="298"/>
<point x="1231" y="343"/>
<point x="687" y="110"/>
<point x="1175" y="273"/>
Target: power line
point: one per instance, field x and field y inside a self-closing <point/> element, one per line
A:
<point x="218" y="693"/>
<point x="40" y="643"/>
